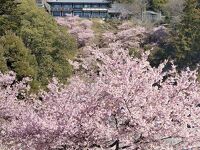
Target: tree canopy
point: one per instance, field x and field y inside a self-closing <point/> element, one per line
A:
<point x="38" y="41"/>
<point x="182" y="45"/>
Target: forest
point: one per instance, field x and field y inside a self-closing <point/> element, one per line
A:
<point x="71" y="83"/>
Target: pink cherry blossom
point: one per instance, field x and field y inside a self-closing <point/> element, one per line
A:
<point x="127" y="104"/>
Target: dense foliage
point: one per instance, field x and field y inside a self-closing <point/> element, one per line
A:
<point x="157" y="4"/>
<point x="7" y="7"/>
<point x="188" y="40"/>
<point x="182" y="44"/>
<point x="39" y="43"/>
<point x="9" y="17"/>
<point x="15" y="56"/>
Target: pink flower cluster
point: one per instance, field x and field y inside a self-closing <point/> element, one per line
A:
<point x="128" y="104"/>
<point x="80" y="28"/>
<point x="129" y="36"/>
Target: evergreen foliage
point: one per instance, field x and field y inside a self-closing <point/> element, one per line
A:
<point x="9" y="17"/>
<point x="183" y="44"/>
<point x="7" y="7"/>
<point x="157" y="4"/>
<point x="41" y="46"/>
<point x="16" y="56"/>
<point x="188" y="39"/>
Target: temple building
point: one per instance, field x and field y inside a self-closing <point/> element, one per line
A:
<point x="81" y="8"/>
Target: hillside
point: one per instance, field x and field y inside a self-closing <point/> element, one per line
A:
<point x="98" y="84"/>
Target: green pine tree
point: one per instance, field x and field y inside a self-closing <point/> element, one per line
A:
<point x="183" y="45"/>
<point x="188" y="39"/>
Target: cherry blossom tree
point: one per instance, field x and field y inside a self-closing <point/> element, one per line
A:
<point x="129" y="35"/>
<point x="120" y="102"/>
<point x="80" y="28"/>
<point x="127" y="104"/>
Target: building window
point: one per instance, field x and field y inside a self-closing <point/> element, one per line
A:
<point x="87" y="14"/>
<point x="56" y="13"/>
<point x="67" y="6"/>
<point x="95" y="6"/>
<point x="87" y="6"/>
<point x="78" y="6"/>
<point x="103" y="6"/>
<point x="95" y="14"/>
<point x="103" y="14"/>
<point x="65" y="13"/>
<point x="56" y="6"/>
<point x="78" y="13"/>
